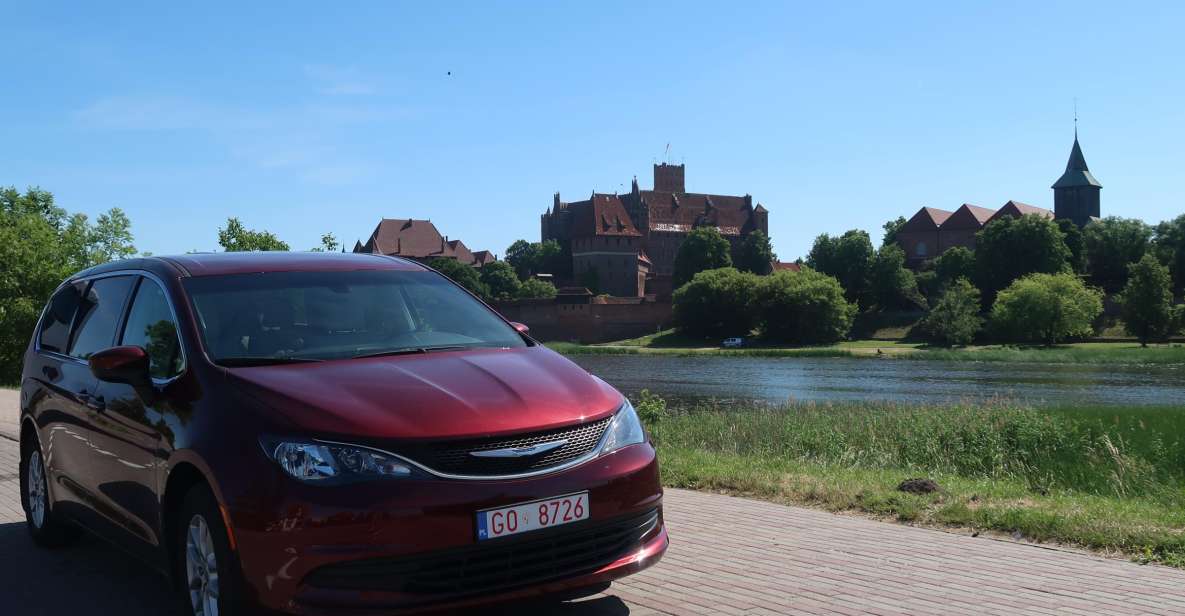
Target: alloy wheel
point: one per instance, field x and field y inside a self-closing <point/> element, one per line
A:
<point x="36" y="490"/>
<point x="201" y="568"/>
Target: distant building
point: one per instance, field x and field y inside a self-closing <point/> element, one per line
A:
<point x="932" y="231"/>
<point x="627" y="243"/>
<point x="419" y="240"/>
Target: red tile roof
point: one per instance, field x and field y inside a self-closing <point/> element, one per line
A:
<point x="1017" y="209"/>
<point x="968" y="217"/>
<point x="685" y="211"/>
<point x="926" y="219"/>
<point x="602" y="215"/>
<point x="781" y="266"/>
<point x="415" y="239"/>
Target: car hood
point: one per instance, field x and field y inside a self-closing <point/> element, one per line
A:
<point x="448" y="394"/>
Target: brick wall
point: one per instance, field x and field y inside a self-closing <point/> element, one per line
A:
<point x="600" y="321"/>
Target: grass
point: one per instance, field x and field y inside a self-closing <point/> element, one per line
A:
<point x="1110" y="479"/>
<point x="671" y="342"/>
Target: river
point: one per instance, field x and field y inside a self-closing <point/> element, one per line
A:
<point x="778" y="380"/>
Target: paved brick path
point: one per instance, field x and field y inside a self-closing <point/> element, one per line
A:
<point x="729" y="556"/>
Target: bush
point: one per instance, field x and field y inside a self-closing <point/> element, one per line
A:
<point x="500" y="280"/>
<point x="803" y="307"/>
<point x="651" y="408"/>
<point x="955" y="318"/>
<point x="533" y="288"/>
<point x="1046" y="308"/>
<point x="716" y="303"/>
<point x="1147" y="301"/>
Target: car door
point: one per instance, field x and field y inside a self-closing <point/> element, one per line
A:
<point x="60" y="408"/>
<point x="130" y="423"/>
<point x="100" y="310"/>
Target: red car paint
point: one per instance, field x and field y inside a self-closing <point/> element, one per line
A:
<point x="206" y="424"/>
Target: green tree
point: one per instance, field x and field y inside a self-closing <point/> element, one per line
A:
<point x="756" y="254"/>
<point x="891" y="284"/>
<point x="237" y="238"/>
<point x="533" y="288"/>
<point x="523" y="256"/>
<point x="1112" y="244"/>
<point x="462" y="274"/>
<point x="1075" y="243"/>
<point x="329" y="243"/>
<point x="1168" y="242"/>
<point x="953" y="264"/>
<point x="955" y="318"/>
<point x="1046" y="308"/>
<point x="1147" y="301"/>
<point x="703" y="249"/>
<point x="1009" y="248"/>
<point x="716" y="303"/>
<point x="802" y="307"/>
<point x="500" y="280"/>
<point x="848" y="258"/>
<point x="40" y="245"/>
<point x="892" y="228"/>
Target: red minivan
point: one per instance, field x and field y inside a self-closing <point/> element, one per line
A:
<point x="327" y="433"/>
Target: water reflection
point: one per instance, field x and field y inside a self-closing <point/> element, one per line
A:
<point x="778" y="380"/>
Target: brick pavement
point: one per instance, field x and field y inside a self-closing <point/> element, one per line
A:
<point x="728" y="556"/>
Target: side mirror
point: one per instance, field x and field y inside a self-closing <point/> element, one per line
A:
<point x="520" y="328"/>
<point x="121" y="364"/>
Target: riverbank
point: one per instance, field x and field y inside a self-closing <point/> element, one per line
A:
<point x="1108" y="478"/>
<point x="671" y="343"/>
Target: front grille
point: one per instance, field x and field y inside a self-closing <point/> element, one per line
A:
<point x="452" y="457"/>
<point x="494" y="565"/>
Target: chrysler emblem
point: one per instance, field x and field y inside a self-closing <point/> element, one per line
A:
<point x="520" y="452"/>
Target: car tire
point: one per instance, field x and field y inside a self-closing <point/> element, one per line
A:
<point x="46" y="527"/>
<point x="209" y="579"/>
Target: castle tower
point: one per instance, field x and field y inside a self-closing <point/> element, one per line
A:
<point x="1076" y="193"/>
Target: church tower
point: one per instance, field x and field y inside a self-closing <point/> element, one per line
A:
<point x="1076" y="193"/>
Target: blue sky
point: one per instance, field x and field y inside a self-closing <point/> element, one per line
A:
<point x="324" y="117"/>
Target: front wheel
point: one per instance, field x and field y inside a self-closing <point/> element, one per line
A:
<point x="207" y="567"/>
<point x="45" y="526"/>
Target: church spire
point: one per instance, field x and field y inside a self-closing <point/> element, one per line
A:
<point x="1077" y="173"/>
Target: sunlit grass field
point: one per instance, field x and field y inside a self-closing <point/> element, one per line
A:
<point x="1110" y="478"/>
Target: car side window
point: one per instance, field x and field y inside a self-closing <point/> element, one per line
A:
<point x="150" y="326"/>
<point x="55" y="326"/>
<point x="98" y="315"/>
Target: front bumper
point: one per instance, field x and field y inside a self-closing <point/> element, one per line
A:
<point x="295" y="540"/>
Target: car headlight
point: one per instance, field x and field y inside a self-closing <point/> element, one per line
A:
<point x="332" y="463"/>
<point x="625" y="429"/>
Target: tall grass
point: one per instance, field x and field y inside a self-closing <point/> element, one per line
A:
<point x="1099" y="354"/>
<point x="1121" y="452"/>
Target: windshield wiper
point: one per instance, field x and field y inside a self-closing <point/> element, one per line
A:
<point x="236" y="362"/>
<point x="412" y="351"/>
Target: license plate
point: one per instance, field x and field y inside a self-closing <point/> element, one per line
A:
<point x="534" y="515"/>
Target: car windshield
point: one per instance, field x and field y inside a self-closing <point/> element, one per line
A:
<point x="284" y="317"/>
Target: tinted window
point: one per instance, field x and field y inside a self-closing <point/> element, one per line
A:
<point x="98" y="315"/>
<point x="331" y="315"/>
<point x="55" y="327"/>
<point x="150" y="325"/>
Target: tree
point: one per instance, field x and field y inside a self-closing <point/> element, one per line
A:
<point x="891" y="284"/>
<point x="1009" y="248"/>
<point x="703" y="249"/>
<point x="500" y="280"/>
<point x="533" y="288"/>
<point x="716" y="303"/>
<point x="237" y="238"/>
<point x="756" y="254"/>
<point x="462" y="274"/>
<point x="1112" y="244"/>
<point x="523" y="256"/>
<point x="892" y="228"/>
<point x="848" y="258"/>
<point x="1075" y="243"/>
<point x="591" y="280"/>
<point x="41" y="244"/>
<point x="1147" y="301"/>
<point x="953" y="264"/>
<point x="1168" y="242"/>
<point x="955" y="318"/>
<point x="802" y="307"/>
<point x="1046" y="308"/>
<point x="329" y="243"/>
